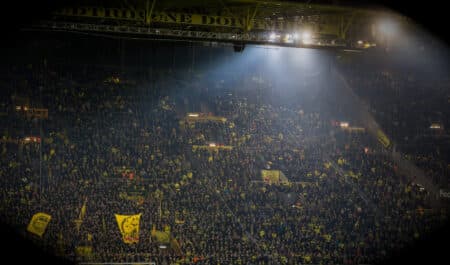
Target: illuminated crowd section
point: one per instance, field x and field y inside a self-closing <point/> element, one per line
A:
<point x="181" y="153"/>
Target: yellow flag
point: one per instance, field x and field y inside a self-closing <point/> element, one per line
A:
<point x="176" y="247"/>
<point x="81" y="215"/>
<point x="270" y="176"/>
<point x="167" y="229"/>
<point x="383" y="139"/>
<point x="129" y="227"/>
<point x="39" y="223"/>
<point x="160" y="236"/>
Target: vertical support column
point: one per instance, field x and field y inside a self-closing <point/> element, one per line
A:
<point x="248" y="25"/>
<point x="149" y="11"/>
<point x="345" y="25"/>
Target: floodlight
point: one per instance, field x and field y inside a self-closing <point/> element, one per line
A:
<point x="306" y="37"/>
<point x="387" y="27"/>
<point x="272" y="36"/>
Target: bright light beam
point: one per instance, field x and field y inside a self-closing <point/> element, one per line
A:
<point x="272" y="36"/>
<point x="387" y="27"/>
<point x="306" y="37"/>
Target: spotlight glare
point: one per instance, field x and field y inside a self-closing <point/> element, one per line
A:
<point x="387" y="27"/>
<point x="435" y="125"/>
<point x="272" y="36"/>
<point x="306" y="36"/>
<point x="344" y="124"/>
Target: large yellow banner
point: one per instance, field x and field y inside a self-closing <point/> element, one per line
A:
<point x="129" y="227"/>
<point x="270" y="176"/>
<point x="274" y="177"/>
<point x="39" y="223"/>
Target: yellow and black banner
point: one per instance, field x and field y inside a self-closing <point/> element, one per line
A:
<point x="383" y="139"/>
<point x="129" y="227"/>
<point x="194" y="19"/>
<point x="39" y="223"/>
<point x="202" y="117"/>
<point x="212" y="147"/>
<point x="274" y="177"/>
<point x="37" y="113"/>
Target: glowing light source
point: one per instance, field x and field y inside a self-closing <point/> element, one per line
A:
<point x="288" y="38"/>
<point x="162" y="246"/>
<point x="387" y="27"/>
<point x="272" y="36"/>
<point x="306" y="37"/>
<point x="360" y="42"/>
<point x="212" y="145"/>
<point x="193" y="115"/>
<point x="343" y="124"/>
<point x="435" y="126"/>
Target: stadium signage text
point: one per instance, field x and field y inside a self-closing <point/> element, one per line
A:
<point x="184" y="18"/>
<point x="444" y="194"/>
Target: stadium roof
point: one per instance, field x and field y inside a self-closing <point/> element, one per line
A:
<point x="284" y="23"/>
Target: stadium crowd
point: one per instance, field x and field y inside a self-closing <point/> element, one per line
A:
<point x="412" y="105"/>
<point x="107" y="139"/>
